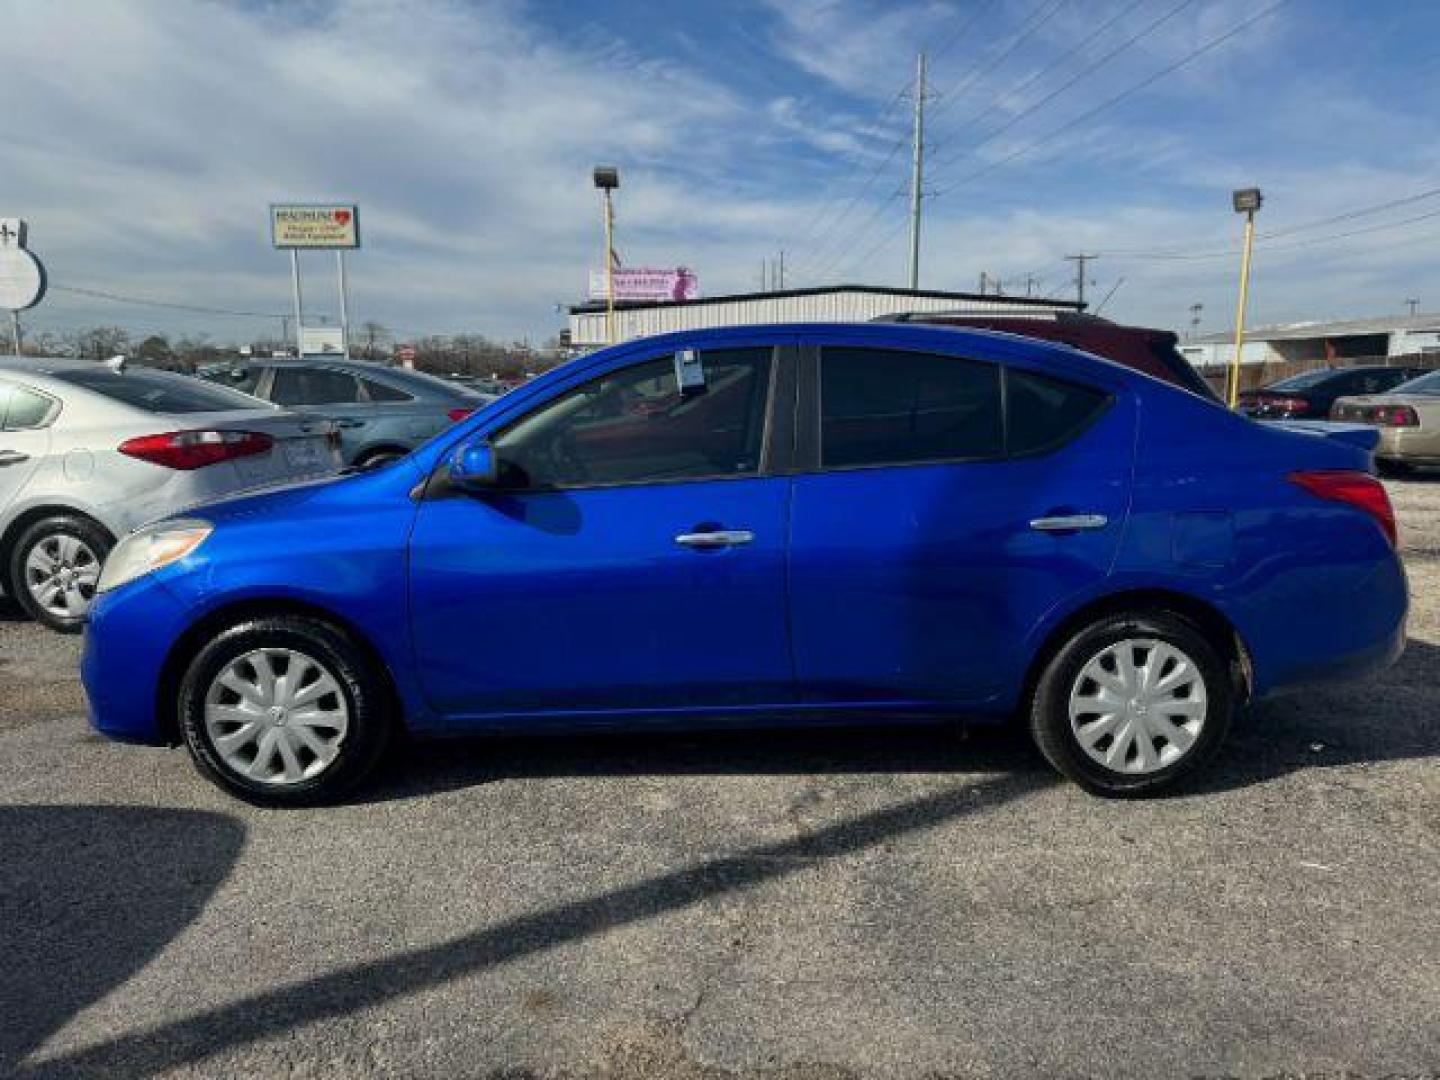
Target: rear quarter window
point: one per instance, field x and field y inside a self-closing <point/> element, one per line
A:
<point x="22" y="408"/>
<point x="1042" y="414"/>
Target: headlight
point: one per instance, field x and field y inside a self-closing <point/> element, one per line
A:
<point x="147" y="550"/>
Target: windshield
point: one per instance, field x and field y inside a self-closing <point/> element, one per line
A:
<point x="160" y="391"/>
<point x="1429" y="383"/>
<point x="1303" y="381"/>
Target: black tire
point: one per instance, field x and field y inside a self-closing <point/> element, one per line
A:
<point x="1396" y="470"/>
<point x="1050" y="723"/>
<point x="91" y="534"/>
<point x="366" y="694"/>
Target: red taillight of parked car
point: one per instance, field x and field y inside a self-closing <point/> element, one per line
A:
<point x="458" y="414"/>
<point x="1395" y="416"/>
<point x="1360" y="490"/>
<point x="196" y="449"/>
<point x="1291" y="406"/>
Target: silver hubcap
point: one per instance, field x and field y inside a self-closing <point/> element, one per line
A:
<point x="61" y="572"/>
<point x="1138" y="706"/>
<point x="276" y="716"/>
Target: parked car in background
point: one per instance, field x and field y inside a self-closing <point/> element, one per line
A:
<point x="383" y="413"/>
<point x="1152" y="351"/>
<point x="1312" y="394"/>
<point x="88" y="453"/>
<point x="765" y="525"/>
<point x="1408" y="418"/>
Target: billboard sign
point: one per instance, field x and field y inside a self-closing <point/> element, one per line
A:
<point x="315" y="225"/>
<point x="322" y="341"/>
<point x="648" y="284"/>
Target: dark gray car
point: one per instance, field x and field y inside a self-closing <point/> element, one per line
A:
<point x="382" y="412"/>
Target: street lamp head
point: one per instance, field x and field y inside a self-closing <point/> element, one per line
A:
<point x="607" y="177"/>
<point x="1246" y="200"/>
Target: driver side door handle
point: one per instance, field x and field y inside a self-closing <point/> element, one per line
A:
<point x="717" y="539"/>
<point x="12" y="457"/>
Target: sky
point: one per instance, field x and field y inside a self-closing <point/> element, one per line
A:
<point x="143" y="141"/>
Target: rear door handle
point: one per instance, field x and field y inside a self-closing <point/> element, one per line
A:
<point x="12" y="457"/>
<point x="716" y="539"/>
<point x="1069" y="522"/>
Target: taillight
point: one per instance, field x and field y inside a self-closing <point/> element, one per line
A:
<point x="1358" y="489"/>
<point x="1395" y="416"/>
<point x="458" y="414"/>
<point x="1293" y="405"/>
<point x="196" y="449"/>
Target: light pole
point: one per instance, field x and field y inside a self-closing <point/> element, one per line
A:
<point x="1412" y="305"/>
<point x="1246" y="201"/>
<point x="607" y="179"/>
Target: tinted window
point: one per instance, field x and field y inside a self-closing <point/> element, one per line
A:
<point x="158" y="391"/>
<point x="1426" y="384"/>
<point x="1303" y="381"/>
<point x="879" y="407"/>
<point x="634" y="426"/>
<point x="236" y="378"/>
<point x="313" y="386"/>
<point x="378" y="391"/>
<point x="1042" y="412"/>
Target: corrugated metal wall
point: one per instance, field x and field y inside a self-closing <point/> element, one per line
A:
<point x="587" y="330"/>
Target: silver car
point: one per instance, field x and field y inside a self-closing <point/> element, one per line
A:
<point x="88" y="453"/>
<point x="383" y="412"/>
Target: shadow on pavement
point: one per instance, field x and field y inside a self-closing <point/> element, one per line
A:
<point x="10" y="611"/>
<point x="1395" y="716"/>
<point x="289" y="1008"/>
<point x="88" y="896"/>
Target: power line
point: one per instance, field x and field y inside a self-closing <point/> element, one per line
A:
<point x="149" y="302"/>
<point x="1035" y="107"/>
<point x="822" y="248"/>
<point x="1038" y="18"/>
<point x="1111" y="102"/>
<point x="1289" y="230"/>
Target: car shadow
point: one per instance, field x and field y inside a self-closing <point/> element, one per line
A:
<point x="281" y="1010"/>
<point x="11" y="611"/>
<point x="89" y="895"/>
<point x="1393" y="716"/>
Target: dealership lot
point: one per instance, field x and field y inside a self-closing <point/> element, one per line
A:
<point x="808" y="904"/>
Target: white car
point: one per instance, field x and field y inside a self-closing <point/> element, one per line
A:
<point x="89" y="452"/>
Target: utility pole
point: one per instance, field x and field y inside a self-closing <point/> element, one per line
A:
<point x="782" y="268"/>
<point x="1080" y="261"/>
<point x="1412" y="305"/>
<point x="1030" y="283"/>
<point x="984" y="280"/>
<point x="917" y="170"/>
<point x="1195" y="310"/>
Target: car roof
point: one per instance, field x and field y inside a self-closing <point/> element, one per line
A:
<point x="995" y="345"/>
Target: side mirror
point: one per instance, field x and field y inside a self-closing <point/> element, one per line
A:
<point x="474" y="467"/>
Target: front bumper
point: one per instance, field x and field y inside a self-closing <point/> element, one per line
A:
<point x="127" y="640"/>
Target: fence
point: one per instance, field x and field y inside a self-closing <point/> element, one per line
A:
<point x="1253" y="376"/>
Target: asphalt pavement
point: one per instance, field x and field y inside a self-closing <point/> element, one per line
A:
<point x="880" y="903"/>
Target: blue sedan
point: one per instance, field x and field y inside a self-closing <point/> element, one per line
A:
<point x="764" y="525"/>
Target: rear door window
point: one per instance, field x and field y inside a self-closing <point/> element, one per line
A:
<point x="881" y="407"/>
<point x="313" y="386"/>
<point x="158" y="391"/>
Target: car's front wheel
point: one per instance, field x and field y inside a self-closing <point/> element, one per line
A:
<point x="284" y="711"/>
<point x="1133" y="702"/>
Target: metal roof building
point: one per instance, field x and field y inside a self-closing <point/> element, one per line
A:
<point x="1321" y="342"/>
<point x="837" y="303"/>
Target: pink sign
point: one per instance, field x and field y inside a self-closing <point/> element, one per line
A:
<point x="656" y="286"/>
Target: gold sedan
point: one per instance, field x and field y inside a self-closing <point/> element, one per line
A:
<point x="1408" y="418"/>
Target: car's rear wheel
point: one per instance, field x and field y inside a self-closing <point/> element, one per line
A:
<point x="1132" y="703"/>
<point x="284" y="711"/>
<point x="55" y="568"/>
